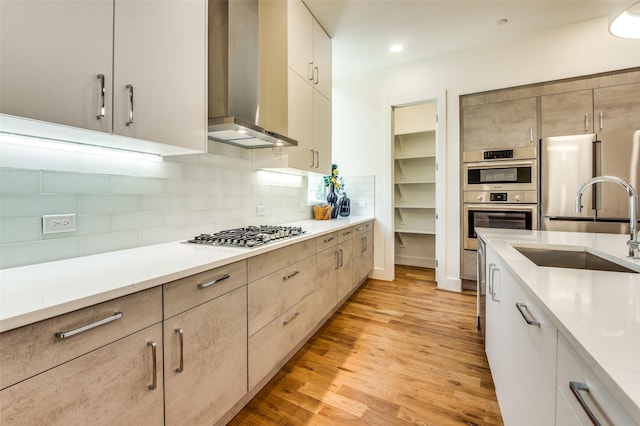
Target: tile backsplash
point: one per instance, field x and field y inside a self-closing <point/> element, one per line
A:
<point x="124" y="202"/>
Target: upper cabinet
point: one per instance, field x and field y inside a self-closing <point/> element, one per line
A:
<point x="506" y="124"/>
<point x="131" y="68"/>
<point x="297" y="61"/>
<point x="596" y="110"/>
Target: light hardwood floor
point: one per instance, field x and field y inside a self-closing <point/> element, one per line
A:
<point x="397" y="353"/>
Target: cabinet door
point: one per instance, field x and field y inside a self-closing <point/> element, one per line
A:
<point x="301" y="128"/>
<point x="160" y="51"/>
<point x="322" y="61"/>
<point x="522" y="356"/>
<point x="619" y="106"/>
<point x="500" y="125"/>
<point x="213" y="357"/>
<point x="346" y="282"/>
<point x="51" y="53"/>
<point x="567" y="113"/>
<point x="109" y="386"/>
<point x="300" y="39"/>
<point x="322" y="133"/>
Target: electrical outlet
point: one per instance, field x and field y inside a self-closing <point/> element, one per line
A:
<point x="260" y="210"/>
<point x="54" y="223"/>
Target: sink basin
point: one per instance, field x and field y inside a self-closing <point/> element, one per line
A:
<point x="573" y="258"/>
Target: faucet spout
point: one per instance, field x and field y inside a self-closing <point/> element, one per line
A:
<point x="634" y="245"/>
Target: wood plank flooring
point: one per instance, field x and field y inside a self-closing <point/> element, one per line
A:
<point x="397" y="353"/>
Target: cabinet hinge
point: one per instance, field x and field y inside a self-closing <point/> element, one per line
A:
<point x="436" y="118"/>
<point x="436" y="263"/>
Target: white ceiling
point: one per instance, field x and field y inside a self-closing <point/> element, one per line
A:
<point x="363" y="30"/>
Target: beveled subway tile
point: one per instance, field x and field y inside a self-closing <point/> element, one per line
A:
<point x="37" y="205"/>
<point x="20" y="254"/>
<point x="74" y="183"/>
<point x="19" y="181"/>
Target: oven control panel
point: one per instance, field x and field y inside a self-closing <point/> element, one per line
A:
<point x="501" y="197"/>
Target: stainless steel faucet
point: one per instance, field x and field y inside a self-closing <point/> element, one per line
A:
<point x="634" y="245"/>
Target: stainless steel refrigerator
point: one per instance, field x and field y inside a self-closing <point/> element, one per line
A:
<point x="568" y="161"/>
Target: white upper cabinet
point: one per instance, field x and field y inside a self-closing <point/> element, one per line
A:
<point x="51" y="56"/>
<point x="131" y="68"/>
<point x="160" y="55"/>
<point x="322" y="62"/>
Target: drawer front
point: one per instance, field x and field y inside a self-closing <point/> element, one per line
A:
<point x="272" y="295"/>
<point x="345" y="234"/>
<point x="273" y="343"/>
<point x="598" y="399"/>
<point x="267" y="263"/>
<point x="34" y="348"/>
<point x="108" y="386"/>
<point x="327" y="241"/>
<point x="188" y="292"/>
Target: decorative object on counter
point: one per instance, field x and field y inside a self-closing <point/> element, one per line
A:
<point x="322" y="212"/>
<point x="334" y="182"/>
<point x="344" y="205"/>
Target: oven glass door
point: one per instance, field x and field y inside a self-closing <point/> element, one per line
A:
<point x="503" y="217"/>
<point x="491" y="175"/>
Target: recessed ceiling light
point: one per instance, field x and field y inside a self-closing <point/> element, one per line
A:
<point x="502" y="21"/>
<point x="396" y="48"/>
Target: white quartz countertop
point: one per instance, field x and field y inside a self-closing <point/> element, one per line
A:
<point x="597" y="312"/>
<point x="36" y="292"/>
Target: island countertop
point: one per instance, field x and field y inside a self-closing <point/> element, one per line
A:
<point x="598" y="312"/>
<point x="36" y="292"/>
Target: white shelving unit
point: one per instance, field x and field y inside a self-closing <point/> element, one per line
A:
<point x="414" y="185"/>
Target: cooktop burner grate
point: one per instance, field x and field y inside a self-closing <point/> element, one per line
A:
<point x="251" y="236"/>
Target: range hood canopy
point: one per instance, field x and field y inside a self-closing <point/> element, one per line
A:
<point x="234" y="77"/>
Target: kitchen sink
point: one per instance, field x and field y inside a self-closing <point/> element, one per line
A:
<point x="570" y="257"/>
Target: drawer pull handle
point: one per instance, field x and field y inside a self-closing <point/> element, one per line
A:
<point x="577" y="388"/>
<point x="326" y="240"/>
<point x="154" y="357"/>
<point x="287" y="322"/>
<point x="522" y="307"/>
<point x="344" y="234"/>
<point x="66" y="334"/>
<point x="180" y="369"/>
<point x="291" y="275"/>
<point x="217" y="280"/>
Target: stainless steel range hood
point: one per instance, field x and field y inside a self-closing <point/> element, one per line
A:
<point x="234" y="77"/>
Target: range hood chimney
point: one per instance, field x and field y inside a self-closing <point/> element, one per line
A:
<point x="234" y="78"/>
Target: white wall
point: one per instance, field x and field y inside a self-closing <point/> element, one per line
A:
<point x="361" y="112"/>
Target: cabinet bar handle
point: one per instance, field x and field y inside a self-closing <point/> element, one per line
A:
<point x="288" y="321"/>
<point x="130" y="121"/>
<point x="601" y="120"/>
<point x="494" y="296"/>
<point x="337" y="259"/>
<point x="586" y="122"/>
<point x="530" y="134"/>
<point x="522" y="307"/>
<point x="310" y="71"/>
<point x="341" y="258"/>
<point x="291" y="275"/>
<point x="326" y="240"/>
<point x="317" y="155"/>
<point x="313" y="158"/>
<point x="217" y="280"/>
<point x="317" y="75"/>
<point x="344" y="234"/>
<point x="577" y="388"/>
<point x="66" y="334"/>
<point x="180" y="369"/>
<point x="154" y="357"/>
<point x="101" y="98"/>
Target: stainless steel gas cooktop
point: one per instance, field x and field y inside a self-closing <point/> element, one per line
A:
<point x="251" y="236"/>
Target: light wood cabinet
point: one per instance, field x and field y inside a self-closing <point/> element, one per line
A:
<point x="205" y="369"/>
<point x="81" y="65"/>
<point x="107" y="374"/>
<point x="617" y="108"/>
<point x="362" y="252"/>
<point x="415" y="185"/>
<point x="346" y="283"/>
<point x="567" y="113"/>
<point x="500" y="125"/>
<point x="521" y="346"/>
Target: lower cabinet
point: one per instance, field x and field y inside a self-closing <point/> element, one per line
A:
<point x="362" y="251"/>
<point x="581" y="397"/>
<point x="120" y="383"/>
<point x="521" y="349"/>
